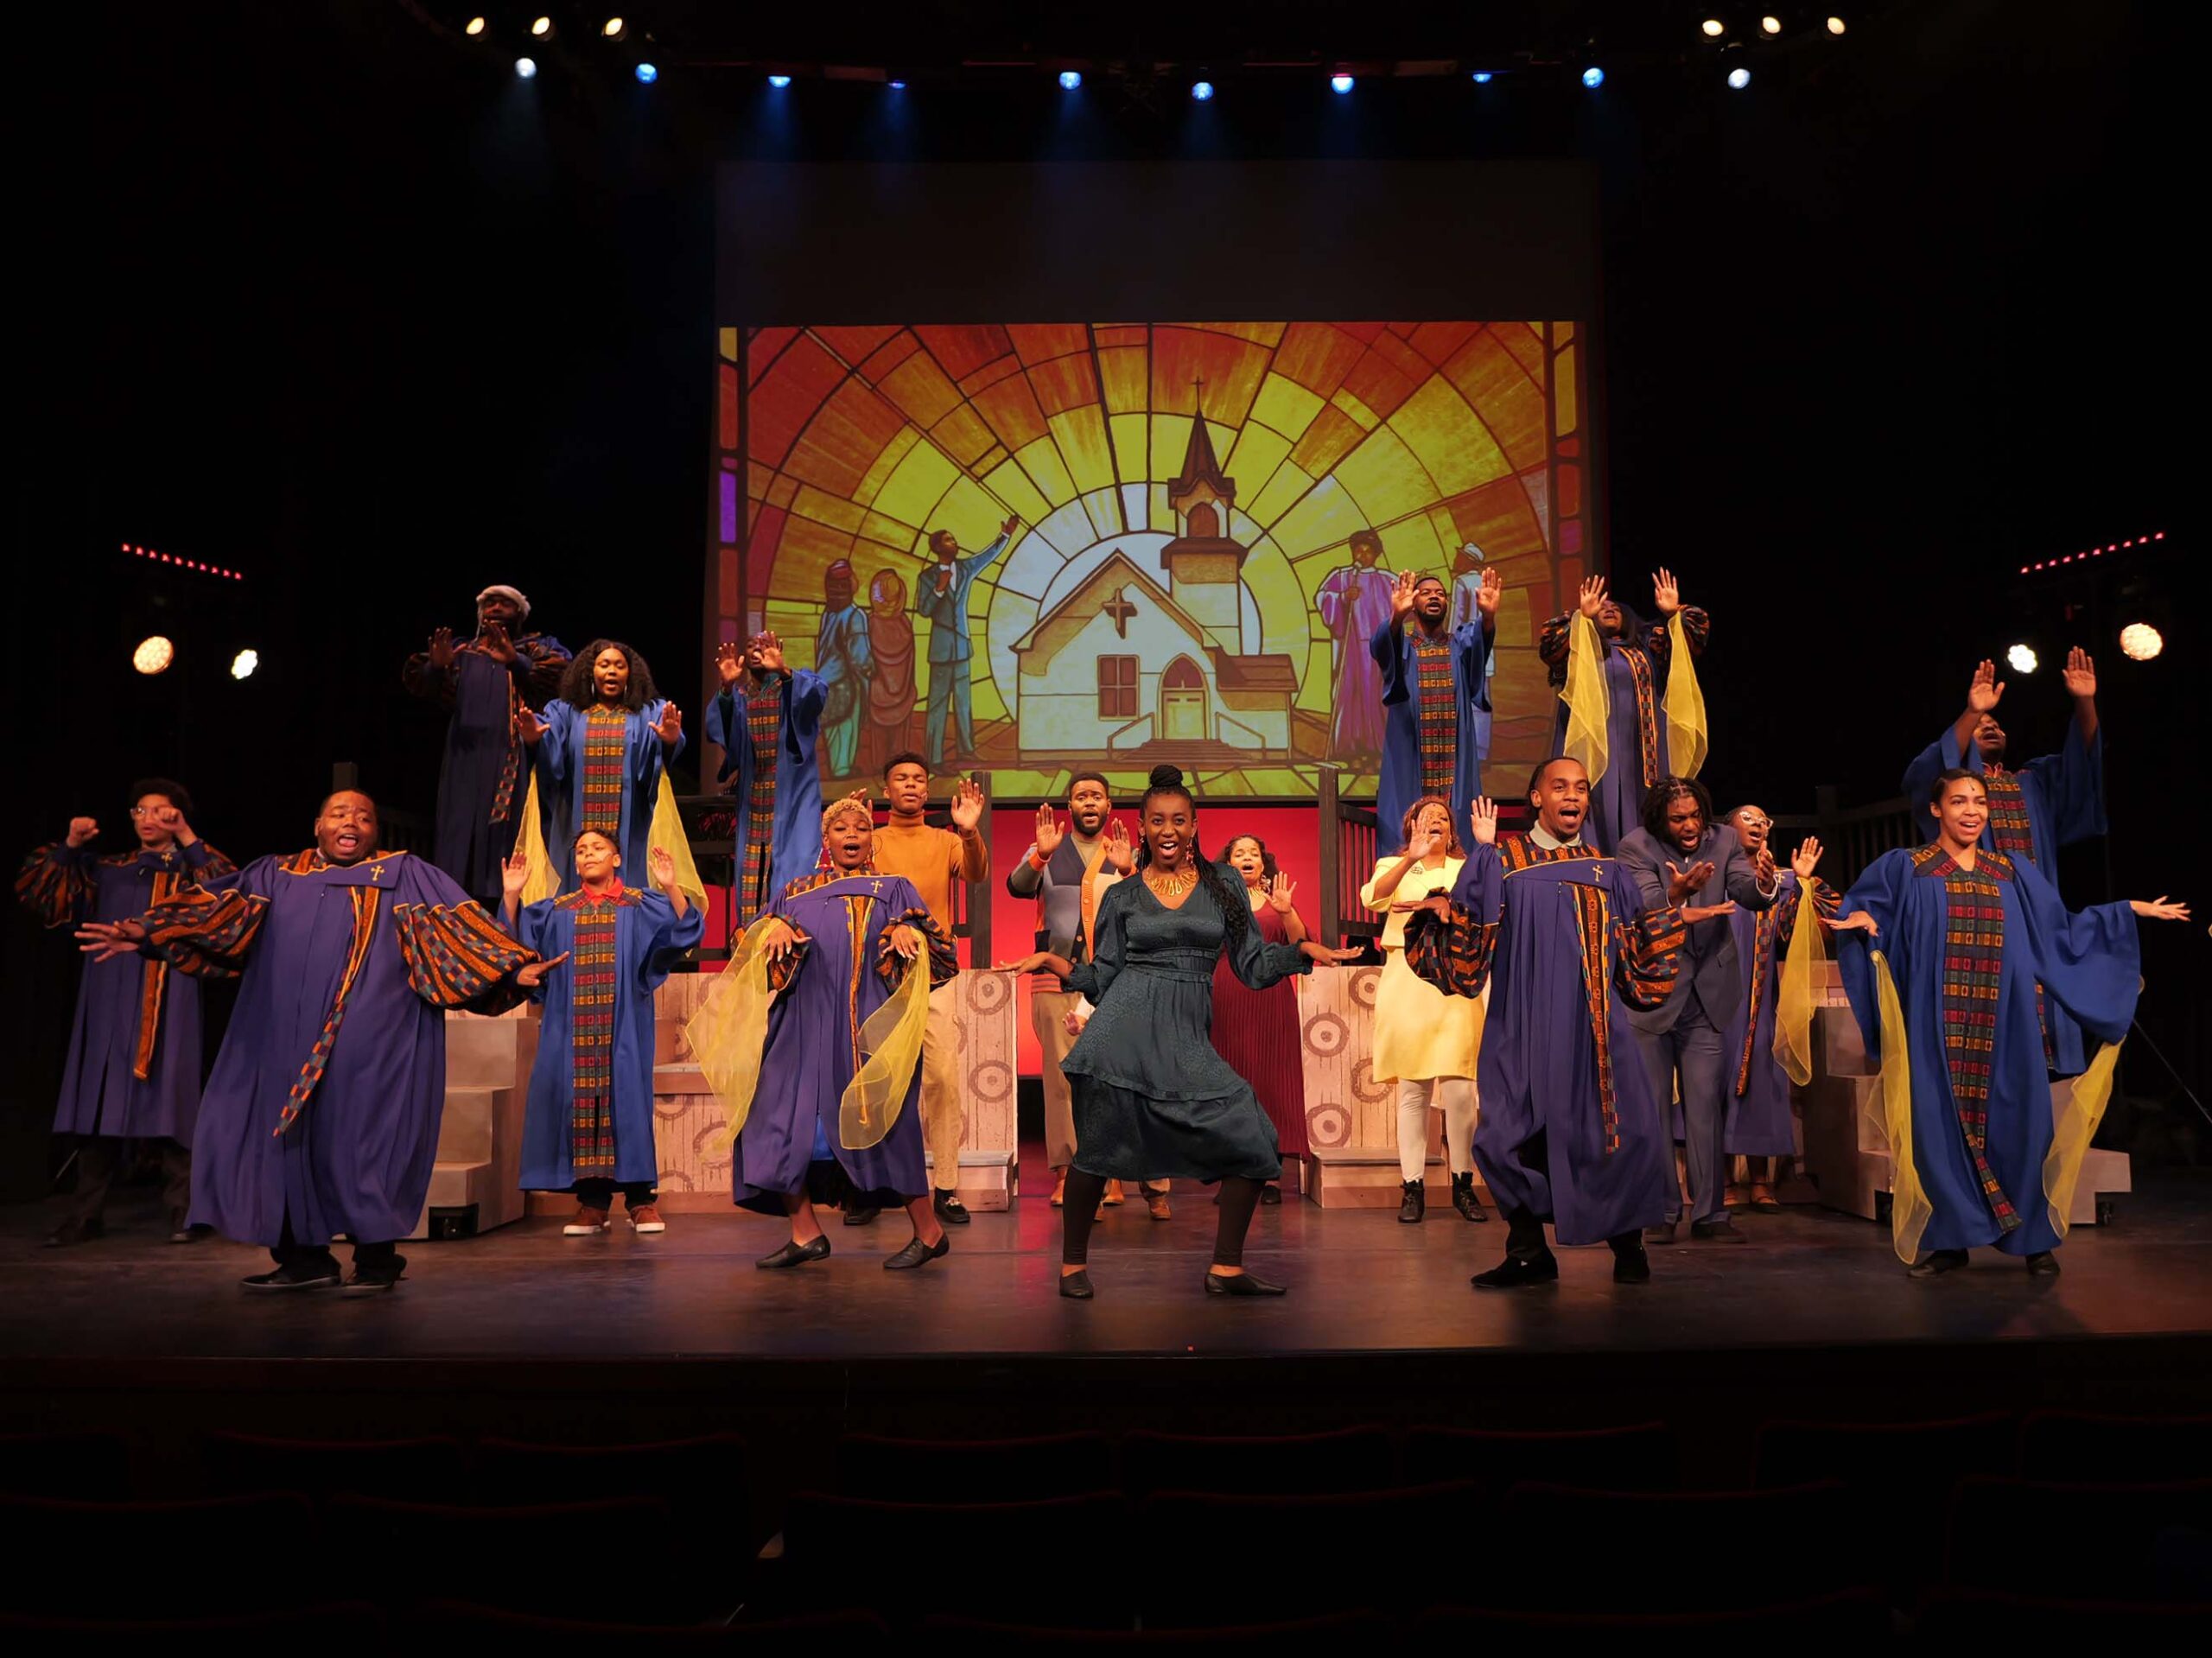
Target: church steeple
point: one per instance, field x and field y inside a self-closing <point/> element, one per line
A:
<point x="1203" y="563"/>
<point x="1201" y="471"/>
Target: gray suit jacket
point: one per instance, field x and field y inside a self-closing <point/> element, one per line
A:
<point x="1712" y="973"/>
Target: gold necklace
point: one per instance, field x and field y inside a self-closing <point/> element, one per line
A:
<point x="1174" y="884"/>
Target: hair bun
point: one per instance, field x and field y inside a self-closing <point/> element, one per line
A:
<point x="1166" y="777"/>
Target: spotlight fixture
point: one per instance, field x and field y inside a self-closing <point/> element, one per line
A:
<point x="2139" y="641"/>
<point x="1593" y="77"/>
<point x="474" y="28"/>
<point x="1835" y="25"/>
<point x="780" y="81"/>
<point x="2021" y="659"/>
<point x="1739" y="79"/>
<point x="1481" y="77"/>
<point x="1770" y="25"/>
<point x="1339" y="83"/>
<point x="244" y="663"/>
<point x="526" y="68"/>
<point x="153" y="654"/>
<point x="1202" y="90"/>
<point x="647" y="74"/>
<point x="1070" y="81"/>
<point x="897" y="85"/>
<point x="614" y="28"/>
<point x="1713" y="28"/>
<point x="541" y="27"/>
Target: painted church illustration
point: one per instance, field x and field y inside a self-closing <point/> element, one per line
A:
<point x="1173" y="681"/>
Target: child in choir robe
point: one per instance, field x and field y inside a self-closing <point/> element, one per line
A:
<point x="133" y="1071"/>
<point x="1951" y="954"/>
<point x="602" y="753"/>
<point x="1257" y="1030"/>
<point x="321" y="1119"/>
<point x="589" y="1127"/>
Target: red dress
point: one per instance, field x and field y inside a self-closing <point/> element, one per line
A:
<point x="1257" y="1031"/>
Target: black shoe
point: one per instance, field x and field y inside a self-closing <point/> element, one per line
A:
<point x="183" y="1231"/>
<point x="1412" y="1201"/>
<point x="380" y="1278"/>
<point x="1516" y="1271"/>
<point x="2043" y="1264"/>
<point x="795" y="1254"/>
<point x="1077" y="1287"/>
<point x="1936" y="1264"/>
<point x="949" y="1208"/>
<point x="1662" y="1233"/>
<point x="1463" y="1198"/>
<point x="1720" y="1231"/>
<point x="1631" y="1266"/>
<point x="917" y="1254"/>
<point x="70" y="1232"/>
<point x="1268" y="1195"/>
<point x="863" y="1216"/>
<point x="1240" y="1284"/>
<point x="315" y="1273"/>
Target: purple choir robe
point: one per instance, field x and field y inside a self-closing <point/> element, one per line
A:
<point x="2086" y="963"/>
<point x="1354" y="603"/>
<point x="323" y="1110"/>
<point x="1635" y="729"/>
<point x="1758" y="1122"/>
<point x="1538" y="924"/>
<point x="133" y="1070"/>
<point x="795" y="844"/>
<point x="844" y="970"/>
<point x="561" y="783"/>
<point x="2062" y="796"/>
<point x="1393" y="651"/>
<point x="650" y="939"/>
<point x="484" y="777"/>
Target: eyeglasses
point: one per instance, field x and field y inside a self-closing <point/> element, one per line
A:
<point x="148" y="811"/>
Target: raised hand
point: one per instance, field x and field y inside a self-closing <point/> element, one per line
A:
<point x="532" y="974"/>
<point x="1591" y="598"/>
<point x="967" y="805"/>
<point x="528" y="727"/>
<point x="1763" y="866"/>
<point x="1049" y="832"/>
<point x="170" y="821"/>
<point x="771" y="653"/>
<point x="1487" y="595"/>
<point x="729" y="662"/>
<point x="778" y="939"/>
<point x="1121" y="856"/>
<point x="105" y="940"/>
<point x="82" y="831"/>
<point x="2080" y="674"/>
<point x="1280" y="894"/>
<point x="906" y="941"/>
<point x="2160" y="908"/>
<point x="497" y="645"/>
<point x="669" y="726"/>
<point x="1694" y="913"/>
<point x="1486" y="815"/>
<point x="1983" y="693"/>
<point x="442" y="649"/>
<point x="1680" y="883"/>
<point x="1666" y="593"/>
<point x="514" y="875"/>
<point x="660" y="864"/>
<point x="1327" y="958"/>
<point x="1402" y="596"/>
<point x="1806" y="859"/>
<point x="1857" y="921"/>
<point x="1012" y="522"/>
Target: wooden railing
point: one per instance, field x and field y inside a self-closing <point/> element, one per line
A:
<point x="1349" y="834"/>
<point x="1851" y="837"/>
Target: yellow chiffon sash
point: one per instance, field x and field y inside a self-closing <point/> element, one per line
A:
<point x="2071" y="1135"/>
<point x="665" y="833"/>
<point x="1686" y="728"/>
<point x="1589" y="702"/>
<point x="890" y="1046"/>
<point x="1797" y="993"/>
<point x="1910" y="1210"/>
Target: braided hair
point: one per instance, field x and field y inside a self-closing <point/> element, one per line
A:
<point x="1663" y="794"/>
<point x="1236" y="908"/>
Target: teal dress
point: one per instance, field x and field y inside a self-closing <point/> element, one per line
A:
<point x="1152" y="1097"/>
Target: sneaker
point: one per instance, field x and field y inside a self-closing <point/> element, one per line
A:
<point x="645" y="1218"/>
<point x="585" y="1223"/>
<point x="377" y="1277"/>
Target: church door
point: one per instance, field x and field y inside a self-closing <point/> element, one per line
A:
<point x="1183" y="702"/>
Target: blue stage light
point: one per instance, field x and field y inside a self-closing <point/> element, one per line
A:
<point x="780" y="81"/>
<point x="1339" y="83"/>
<point x="1739" y="79"/>
<point x="898" y="86"/>
<point x="647" y="73"/>
<point x="1593" y="77"/>
<point x="1070" y="81"/>
<point x="526" y="67"/>
<point x="1482" y="77"/>
<point x="1202" y="90"/>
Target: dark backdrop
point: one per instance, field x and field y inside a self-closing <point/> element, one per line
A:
<point x="315" y="295"/>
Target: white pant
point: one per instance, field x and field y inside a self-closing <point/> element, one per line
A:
<point x="1457" y="1095"/>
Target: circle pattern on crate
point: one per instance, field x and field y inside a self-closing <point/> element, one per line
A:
<point x="1325" y="1035"/>
<point x="1328" y="1124"/>
<point x="987" y="992"/>
<point x="990" y="1082"/>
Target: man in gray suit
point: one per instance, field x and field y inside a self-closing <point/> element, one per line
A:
<point x="941" y="595"/>
<point x="1681" y="856"/>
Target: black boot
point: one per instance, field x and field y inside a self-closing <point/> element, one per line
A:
<point x="1463" y="1198"/>
<point x="1937" y="1263"/>
<point x="1411" y="1203"/>
<point x="1631" y="1264"/>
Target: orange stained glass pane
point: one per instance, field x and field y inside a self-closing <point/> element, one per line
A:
<point x="1570" y="492"/>
<point x="1512" y="404"/>
<point x="781" y="405"/>
<point x="1318" y="355"/>
<point x="1010" y="409"/>
<point x="1127" y="376"/>
<point x="1037" y="343"/>
<point x="841" y="444"/>
<point x="964" y="348"/>
<point x="1063" y="384"/>
<point x="1524" y="342"/>
<point x="726" y="406"/>
<point x="1327" y="441"/>
<point x="762" y="347"/>
<point x="855" y="346"/>
<point x="1435" y="342"/>
<point x="1188" y="363"/>
<point x="919" y="386"/>
<point x="886" y="357"/>
<point x="963" y="435"/>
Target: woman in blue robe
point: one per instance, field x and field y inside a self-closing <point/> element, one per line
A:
<point x="602" y="748"/>
<point x="589" y="1124"/>
<point x="133" y="1070"/>
<point x="320" y="1118"/>
<point x="1973" y="940"/>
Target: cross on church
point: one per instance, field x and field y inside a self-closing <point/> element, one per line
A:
<point x="1121" y="609"/>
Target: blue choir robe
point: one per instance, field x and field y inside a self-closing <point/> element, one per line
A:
<point x="133" y="1070"/>
<point x="795" y="847"/>
<point x="560" y="790"/>
<point x="2062" y="798"/>
<point x="1636" y="667"/>
<point x="484" y="776"/>
<point x="1569" y="1130"/>
<point x="842" y="971"/>
<point x="1758" y="1120"/>
<point x="323" y="1110"/>
<point x="1392" y="648"/>
<point x="2086" y="963"/>
<point x="650" y="939"/>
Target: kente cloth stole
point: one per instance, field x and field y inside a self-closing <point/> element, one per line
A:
<point x="606" y="749"/>
<point x="1437" y="716"/>
<point x="503" y="797"/>
<point x="366" y="903"/>
<point x="764" y="722"/>
<point x="591" y="1006"/>
<point x="856" y="914"/>
<point x="153" y="983"/>
<point x="2010" y="831"/>
<point x="1974" y="959"/>
<point x="1647" y="712"/>
<point x="1762" y="954"/>
<point x="1593" y="921"/>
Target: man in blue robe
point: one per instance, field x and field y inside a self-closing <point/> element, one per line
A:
<point x="941" y="595"/>
<point x="842" y="657"/>
<point x="766" y="720"/>
<point x="133" y="1071"/>
<point x="483" y="683"/>
<point x="320" y="1118"/>
<point x="1570" y="1131"/>
<point x="2050" y="803"/>
<point x="1433" y="692"/>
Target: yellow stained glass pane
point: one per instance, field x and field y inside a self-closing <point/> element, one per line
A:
<point x="1445" y="436"/>
<point x="1385" y="477"/>
<point x="917" y="484"/>
<point x="1567" y="417"/>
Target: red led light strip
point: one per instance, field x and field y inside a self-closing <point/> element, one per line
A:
<point x="2093" y="552"/>
<point x="148" y="553"/>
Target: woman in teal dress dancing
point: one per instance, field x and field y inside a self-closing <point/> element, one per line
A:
<point x="1151" y="1096"/>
